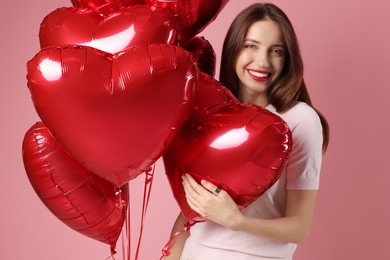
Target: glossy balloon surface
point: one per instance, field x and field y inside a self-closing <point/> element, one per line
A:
<point x="106" y="7"/>
<point x="203" y="53"/>
<point x="192" y="16"/>
<point x="84" y="202"/>
<point x="116" y="114"/>
<point x="131" y="26"/>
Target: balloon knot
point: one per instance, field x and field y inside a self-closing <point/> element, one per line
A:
<point x="166" y="252"/>
<point x="187" y="227"/>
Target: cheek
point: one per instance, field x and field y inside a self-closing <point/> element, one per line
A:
<point x="241" y="60"/>
<point x="238" y="63"/>
<point x="238" y="66"/>
<point x="278" y="65"/>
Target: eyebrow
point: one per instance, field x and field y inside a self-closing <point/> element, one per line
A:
<point x="255" y="41"/>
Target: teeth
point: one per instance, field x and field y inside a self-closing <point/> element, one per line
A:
<point x="258" y="74"/>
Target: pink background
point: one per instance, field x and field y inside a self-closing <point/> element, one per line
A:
<point x="345" y="48"/>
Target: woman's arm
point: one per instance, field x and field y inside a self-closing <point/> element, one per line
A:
<point x="293" y="227"/>
<point x="177" y="248"/>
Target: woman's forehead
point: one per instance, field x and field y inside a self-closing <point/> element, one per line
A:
<point x="265" y="31"/>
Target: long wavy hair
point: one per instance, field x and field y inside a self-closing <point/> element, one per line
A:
<point x="290" y="86"/>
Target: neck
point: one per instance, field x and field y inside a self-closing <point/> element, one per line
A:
<point x="259" y="100"/>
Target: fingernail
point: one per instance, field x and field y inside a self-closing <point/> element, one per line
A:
<point x="203" y="182"/>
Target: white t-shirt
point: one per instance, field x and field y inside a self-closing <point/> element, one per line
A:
<point x="301" y="173"/>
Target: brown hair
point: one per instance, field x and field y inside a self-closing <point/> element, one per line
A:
<point x="290" y="86"/>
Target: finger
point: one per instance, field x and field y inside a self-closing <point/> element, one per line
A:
<point x="195" y="185"/>
<point x="211" y="187"/>
<point x="195" y="202"/>
<point x="197" y="210"/>
<point x="189" y="188"/>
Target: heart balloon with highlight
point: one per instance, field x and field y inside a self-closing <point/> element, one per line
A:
<point x="241" y="148"/>
<point x="192" y="16"/>
<point x="131" y="26"/>
<point x="106" y="7"/>
<point x="203" y="53"/>
<point x="116" y="114"/>
<point x="84" y="202"/>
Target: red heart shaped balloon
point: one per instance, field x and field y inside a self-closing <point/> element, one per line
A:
<point x="203" y="53"/>
<point x="239" y="147"/>
<point x="136" y="25"/>
<point x="106" y="7"/>
<point x="78" y="198"/>
<point x="116" y="114"/>
<point x="192" y="16"/>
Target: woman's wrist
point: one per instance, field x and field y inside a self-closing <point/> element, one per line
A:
<point x="235" y="222"/>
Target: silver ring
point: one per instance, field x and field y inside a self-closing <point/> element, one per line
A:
<point x="217" y="191"/>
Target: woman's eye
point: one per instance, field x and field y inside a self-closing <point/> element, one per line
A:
<point x="278" y="52"/>
<point x="249" y="46"/>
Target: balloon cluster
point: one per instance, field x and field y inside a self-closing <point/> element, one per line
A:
<point x="120" y="83"/>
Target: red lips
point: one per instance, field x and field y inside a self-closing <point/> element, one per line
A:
<point x="259" y="75"/>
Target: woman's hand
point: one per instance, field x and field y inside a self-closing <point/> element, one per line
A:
<point x="215" y="206"/>
<point x="293" y="227"/>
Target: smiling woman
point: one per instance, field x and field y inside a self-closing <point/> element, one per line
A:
<point x="261" y="64"/>
<point x="260" y="61"/>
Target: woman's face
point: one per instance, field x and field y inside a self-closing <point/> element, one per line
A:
<point x="260" y="61"/>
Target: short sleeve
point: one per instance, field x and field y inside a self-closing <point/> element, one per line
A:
<point x="304" y="165"/>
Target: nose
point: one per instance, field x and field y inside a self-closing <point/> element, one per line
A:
<point x="262" y="59"/>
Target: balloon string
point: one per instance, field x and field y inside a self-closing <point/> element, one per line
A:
<point x="128" y="234"/>
<point x="111" y="256"/>
<point x="126" y="239"/>
<point x="149" y="174"/>
<point x="121" y="203"/>
<point x="166" y="251"/>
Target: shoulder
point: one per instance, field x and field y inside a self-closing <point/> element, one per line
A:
<point x="300" y="116"/>
<point x="305" y="126"/>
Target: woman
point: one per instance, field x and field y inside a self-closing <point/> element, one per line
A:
<point x="261" y="64"/>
